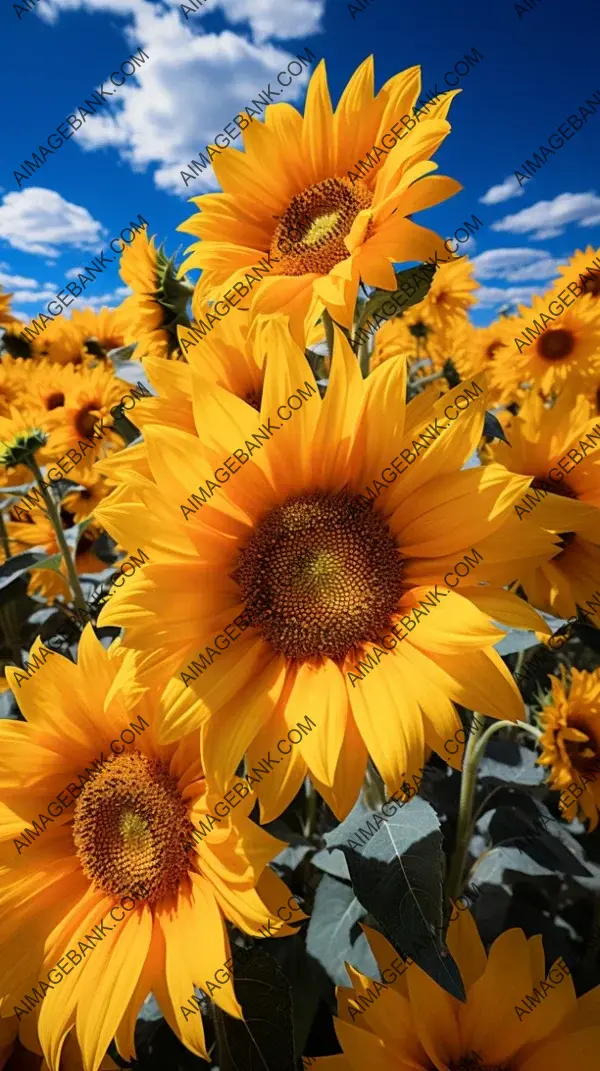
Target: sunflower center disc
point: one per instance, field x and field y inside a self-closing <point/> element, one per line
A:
<point x="554" y="345"/>
<point x="471" y="1063"/>
<point x="131" y="828"/>
<point x="582" y="754"/>
<point x="491" y="350"/>
<point x="311" y="232"/>
<point x="591" y="286"/>
<point x="320" y="575"/>
<point x="85" y="419"/>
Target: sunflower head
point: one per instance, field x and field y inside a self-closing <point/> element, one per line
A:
<point x="570" y="743"/>
<point x="20" y="448"/>
<point x="300" y="237"/>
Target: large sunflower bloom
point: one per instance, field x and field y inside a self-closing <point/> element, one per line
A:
<point x="130" y="830"/>
<point x="564" y="498"/>
<point x="409" y="1023"/>
<point x="545" y="358"/>
<point x="325" y="222"/>
<point x="570" y="742"/>
<point x="320" y="574"/>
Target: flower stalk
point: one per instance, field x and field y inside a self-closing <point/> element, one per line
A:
<point x="54" y="516"/>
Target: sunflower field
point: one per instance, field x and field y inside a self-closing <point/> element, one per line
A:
<point x="300" y="625"/>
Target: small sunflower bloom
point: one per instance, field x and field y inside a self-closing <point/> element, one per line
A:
<point x="451" y="294"/>
<point x="86" y="416"/>
<point x="324" y="221"/>
<point x="13" y="378"/>
<point x="124" y="823"/>
<point x="21" y="437"/>
<point x="583" y="269"/>
<point x="37" y="531"/>
<point x="322" y="556"/>
<point x="559" y="448"/>
<point x="158" y="302"/>
<point x="545" y="356"/>
<point x="408" y="1021"/>
<point x="570" y="742"/>
<point x="101" y="331"/>
<point x="82" y="503"/>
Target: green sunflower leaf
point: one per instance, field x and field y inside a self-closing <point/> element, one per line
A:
<point x="419" y="279"/>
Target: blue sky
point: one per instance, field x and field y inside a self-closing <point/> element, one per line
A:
<point x="536" y="70"/>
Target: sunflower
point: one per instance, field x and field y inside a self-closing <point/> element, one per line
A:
<point x="101" y="331"/>
<point x="130" y="831"/>
<point x="158" y="302"/>
<point x="409" y="1022"/>
<point x="87" y="415"/>
<point x="37" y="531"/>
<point x="321" y="217"/>
<point x="450" y="293"/>
<point x="6" y="316"/>
<point x="321" y="559"/>
<point x="48" y="384"/>
<point x="570" y="742"/>
<point x="61" y="342"/>
<point x="12" y="382"/>
<point x="21" y="435"/>
<point x="20" y="1050"/>
<point x="583" y="270"/>
<point x="544" y="353"/>
<point x="560" y="448"/>
<point x="82" y="503"/>
<point x="412" y="335"/>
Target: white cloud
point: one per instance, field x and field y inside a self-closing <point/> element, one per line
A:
<point x="507" y="189"/>
<point x="266" y="18"/>
<point x="193" y="83"/>
<point x="37" y="220"/>
<point x="548" y="219"/>
<point x="42" y="295"/>
<point x="12" y="282"/>
<point x="510" y="295"/>
<point x="516" y="265"/>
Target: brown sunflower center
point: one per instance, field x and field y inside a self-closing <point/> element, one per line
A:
<point x="542" y="484"/>
<point x="55" y="400"/>
<point x="86" y="418"/>
<point x="253" y="398"/>
<point x="473" y="1063"/>
<point x="491" y="350"/>
<point x="582" y="754"/>
<point x="558" y="344"/>
<point x="131" y="827"/>
<point x="320" y="575"/>
<point x="311" y="232"/>
<point x="591" y="286"/>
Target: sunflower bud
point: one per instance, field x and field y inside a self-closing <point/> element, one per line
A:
<point x="22" y="447"/>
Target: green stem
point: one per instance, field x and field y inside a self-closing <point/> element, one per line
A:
<point x="495" y="728"/>
<point x="311" y="810"/>
<point x="328" y="325"/>
<point x="475" y="748"/>
<point x="54" y="516"/>
<point x="4" y="536"/>
<point x="364" y="358"/>
<point x="427" y="379"/>
<point x="467" y="794"/>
